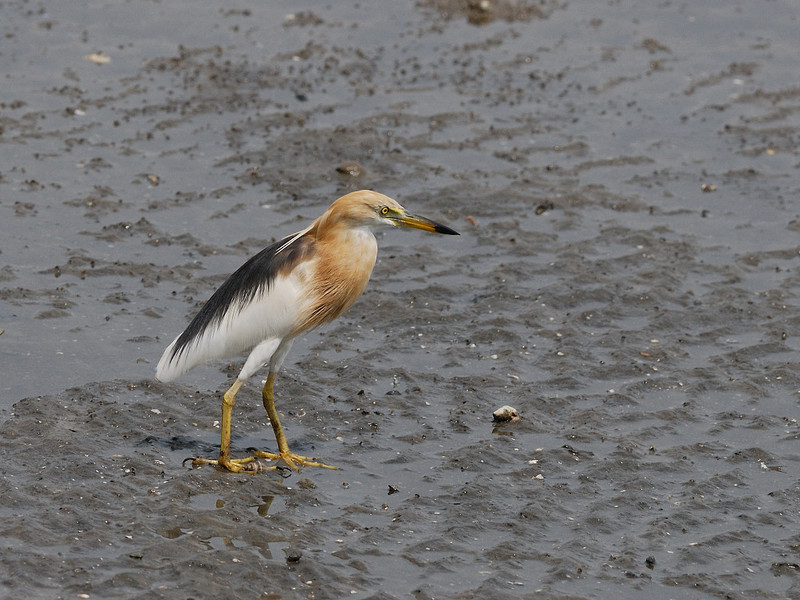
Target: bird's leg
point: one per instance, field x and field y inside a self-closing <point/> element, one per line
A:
<point x="236" y="465"/>
<point x="290" y="458"/>
<point x="228" y="399"/>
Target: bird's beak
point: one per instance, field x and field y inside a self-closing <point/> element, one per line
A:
<point x="407" y="220"/>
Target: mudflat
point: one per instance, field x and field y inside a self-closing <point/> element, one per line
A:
<point x="625" y="179"/>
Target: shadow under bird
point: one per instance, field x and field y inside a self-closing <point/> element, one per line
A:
<point x="298" y="283"/>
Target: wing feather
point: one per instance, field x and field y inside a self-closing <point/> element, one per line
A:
<point x="264" y="292"/>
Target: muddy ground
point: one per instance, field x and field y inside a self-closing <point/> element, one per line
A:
<point x="625" y="179"/>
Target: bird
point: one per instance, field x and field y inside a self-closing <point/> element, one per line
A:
<point x="296" y="284"/>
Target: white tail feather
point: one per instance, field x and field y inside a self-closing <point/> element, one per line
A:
<point x="169" y="368"/>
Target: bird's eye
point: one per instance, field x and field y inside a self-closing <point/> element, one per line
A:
<point x="385" y="211"/>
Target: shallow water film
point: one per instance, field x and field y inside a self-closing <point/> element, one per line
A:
<point x="624" y="176"/>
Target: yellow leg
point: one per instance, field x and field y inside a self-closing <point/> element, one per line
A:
<point x="228" y="398"/>
<point x="249" y="465"/>
<point x="237" y="465"/>
<point x="295" y="461"/>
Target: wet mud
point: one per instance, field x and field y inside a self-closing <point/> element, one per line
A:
<point x="625" y="179"/>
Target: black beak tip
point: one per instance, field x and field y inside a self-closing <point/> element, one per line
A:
<point x="445" y="230"/>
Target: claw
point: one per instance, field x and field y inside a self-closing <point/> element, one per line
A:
<point x="295" y="461"/>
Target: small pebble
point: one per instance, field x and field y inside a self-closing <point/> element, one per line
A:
<point x="351" y="168"/>
<point x="99" y="58"/>
<point x="504" y="414"/>
<point x="293" y="555"/>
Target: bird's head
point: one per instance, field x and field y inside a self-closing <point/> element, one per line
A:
<point x="366" y="208"/>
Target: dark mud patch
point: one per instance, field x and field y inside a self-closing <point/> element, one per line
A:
<point x="642" y="489"/>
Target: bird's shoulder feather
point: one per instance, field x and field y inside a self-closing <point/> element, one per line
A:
<point x="253" y="278"/>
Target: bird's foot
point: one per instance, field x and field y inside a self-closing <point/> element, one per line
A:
<point x="234" y="465"/>
<point x="251" y="464"/>
<point x="295" y="461"/>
